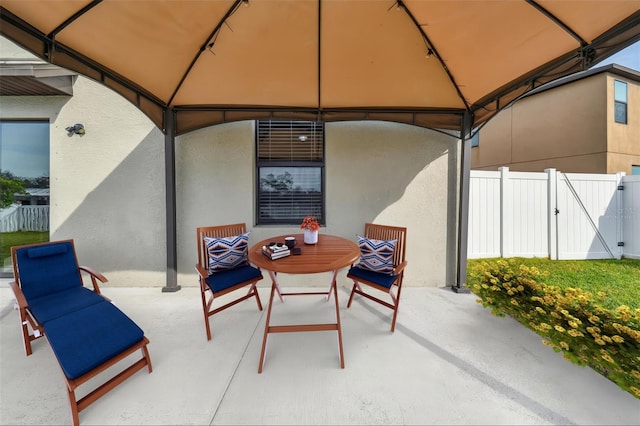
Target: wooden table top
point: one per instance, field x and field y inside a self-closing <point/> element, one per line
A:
<point x="329" y="254"/>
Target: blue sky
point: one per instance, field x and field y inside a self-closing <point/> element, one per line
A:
<point x="24" y="148"/>
<point x="629" y="57"/>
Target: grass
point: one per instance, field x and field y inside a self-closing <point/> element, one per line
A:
<point x="619" y="279"/>
<point x="9" y="239"/>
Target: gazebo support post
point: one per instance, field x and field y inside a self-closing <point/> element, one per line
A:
<point x="463" y="211"/>
<point x="170" y="200"/>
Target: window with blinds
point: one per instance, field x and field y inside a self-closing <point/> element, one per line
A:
<point x="290" y="171"/>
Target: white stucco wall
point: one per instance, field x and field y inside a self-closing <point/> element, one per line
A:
<point x="108" y="187"/>
<point x="375" y="172"/>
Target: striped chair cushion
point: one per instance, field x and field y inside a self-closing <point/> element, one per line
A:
<point x="376" y="255"/>
<point x="227" y="253"/>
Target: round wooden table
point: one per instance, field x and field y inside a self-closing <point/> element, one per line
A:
<point x="330" y="254"/>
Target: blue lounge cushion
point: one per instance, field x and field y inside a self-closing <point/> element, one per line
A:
<point x="47" y="269"/>
<point x="376" y="255"/>
<point x="47" y="250"/>
<point x="85" y="339"/>
<point x="382" y="279"/>
<point x="52" y="306"/>
<point x="227" y="253"/>
<point x="222" y="280"/>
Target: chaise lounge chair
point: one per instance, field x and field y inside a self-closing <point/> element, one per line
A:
<point x="88" y="333"/>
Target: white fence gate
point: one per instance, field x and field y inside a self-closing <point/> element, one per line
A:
<point x="589" y="223"/>
<point x="553" y="214"/>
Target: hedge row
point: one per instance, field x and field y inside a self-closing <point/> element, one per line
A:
<point x="569" y="320"/>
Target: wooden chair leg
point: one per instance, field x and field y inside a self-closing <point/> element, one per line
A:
<point x="25" y="335"/>
<point x="145" y="353"/>
<point x="396" y="302"/>
<point x="207" y="327"/>
<point x="353" y="290"/>
<point x="75" y="419"/>
<point x="254" y="291"/>
<point x="393" y="322"/>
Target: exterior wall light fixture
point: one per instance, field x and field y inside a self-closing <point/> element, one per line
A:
<point x="76" y="129"/>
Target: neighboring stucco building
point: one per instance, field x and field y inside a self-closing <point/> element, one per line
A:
<point x="107" y="186"/>
<point x="585" y="123"/>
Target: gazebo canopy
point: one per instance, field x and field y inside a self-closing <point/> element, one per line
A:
<point x="423" y="62"/>
<point x="442" y="64"/>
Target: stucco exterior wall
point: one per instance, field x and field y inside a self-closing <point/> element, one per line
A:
<point x="569" y="121"/>
<point x="495" y="139"/>
<point x="380" y="172"/>
<point x="623" y="140"/>
<point x="570" y="127"/>
<point x="107" y="186"/>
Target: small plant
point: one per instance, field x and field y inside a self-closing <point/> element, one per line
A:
<point x="310" y="223"/>
<point x="570" y="320"/>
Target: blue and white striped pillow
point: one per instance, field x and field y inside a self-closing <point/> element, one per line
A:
<point x="227" y="253"/>
<point x="376" y="255"/>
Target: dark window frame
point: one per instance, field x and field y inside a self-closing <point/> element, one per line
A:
<point x="620" y="108"/>
<point x="298" y="145"/>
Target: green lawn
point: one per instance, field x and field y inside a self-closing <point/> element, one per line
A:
<point x="619" y="279"/>
<point x="9" y="239"/>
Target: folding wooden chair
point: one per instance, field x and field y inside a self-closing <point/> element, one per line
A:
<point x="223" y="267"/>
<point x="88" y="333"/>
<point x="381" y="265"/>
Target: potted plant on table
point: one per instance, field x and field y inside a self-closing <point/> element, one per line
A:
<point x="310" y="225"/>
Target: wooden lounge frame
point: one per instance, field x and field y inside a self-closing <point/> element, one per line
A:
<point x="77" y="405"/>
<point x="207" y="294"/>
<point x="32" y="329"/>
<point x="384" y="232"/>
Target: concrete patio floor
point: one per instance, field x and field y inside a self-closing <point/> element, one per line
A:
<point x="449" y="362"/>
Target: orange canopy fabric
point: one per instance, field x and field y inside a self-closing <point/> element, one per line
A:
<point x="423" y="62"/>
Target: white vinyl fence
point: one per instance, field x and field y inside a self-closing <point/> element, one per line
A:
<point x="553" y="214"/>
<point x="631" y="216"/>
<point x="24" y="218"/>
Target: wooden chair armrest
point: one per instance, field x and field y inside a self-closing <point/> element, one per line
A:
<point x="201" y="271"/>
<point x="17" y="291"/>
<point x="400" y="268"/>
<point x="95" y="276"/>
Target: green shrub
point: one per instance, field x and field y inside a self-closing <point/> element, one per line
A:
<point x="570" y="320"/>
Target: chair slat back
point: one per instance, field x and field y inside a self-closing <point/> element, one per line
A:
<point x="220" y="231"/>
<point x="45" y="268"/>
<point x="385" y="232"/>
